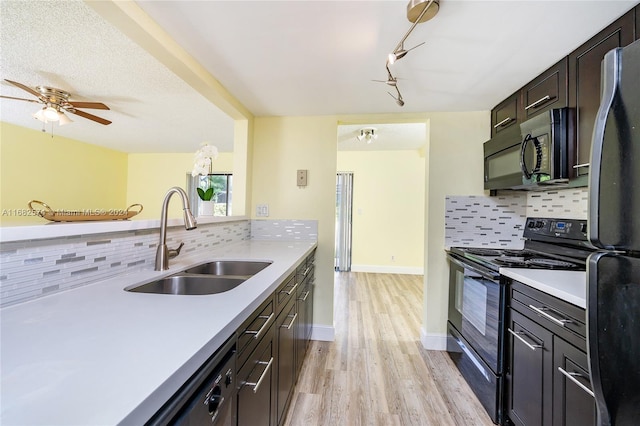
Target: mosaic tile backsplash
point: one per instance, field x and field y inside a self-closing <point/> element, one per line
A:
<point x="284" y="230"/>
<point x="498" y="221"/>
<point x="476" y="221"/>
<point x="33" y="268"/>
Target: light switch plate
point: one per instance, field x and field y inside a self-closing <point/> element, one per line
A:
<point x="262" y="210"/>
<point x="302" y="178"/>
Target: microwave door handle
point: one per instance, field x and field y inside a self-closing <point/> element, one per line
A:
<point x="610" y="78"/>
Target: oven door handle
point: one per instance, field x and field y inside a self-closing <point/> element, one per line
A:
<point x="484" y="274"/>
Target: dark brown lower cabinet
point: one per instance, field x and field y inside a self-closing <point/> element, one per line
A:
<point x="286" y="325"/>
<point x="573" y="402"/>
<point x="529" y="372"/>
<point x="547" y="378"/>
<point x="255" y="404"/>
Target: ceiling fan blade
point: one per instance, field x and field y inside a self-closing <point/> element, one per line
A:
<point x="89" y="116"/>
<point x="23" y="87"/>
<point x="20" y="99"/>
<point x="91" y="105"/>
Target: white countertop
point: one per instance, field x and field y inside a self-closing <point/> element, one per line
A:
<point x="46" y="229"/>
<point x="98" y="355"/>
<point x="570" y="286"/>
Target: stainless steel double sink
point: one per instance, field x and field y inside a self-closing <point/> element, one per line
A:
<point x="208" y="278"/>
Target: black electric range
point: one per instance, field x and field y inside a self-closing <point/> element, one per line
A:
<point x="477" y="299"/>
<point x="549" y="244"/>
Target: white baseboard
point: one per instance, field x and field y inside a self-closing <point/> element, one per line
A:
<point x="378" y="269"/>
<point x="323" y="333"/>
<point x="433" y="342"/>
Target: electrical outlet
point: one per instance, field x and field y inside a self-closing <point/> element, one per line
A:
<point x="393" y="258"/>
<point x="302" y="178"/>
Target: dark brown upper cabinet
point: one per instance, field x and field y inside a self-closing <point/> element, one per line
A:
<point x="505" y="114"/>
<point x="637" y="11"/>
<point x="584" y="83"/>
<point x="548" y="90"/>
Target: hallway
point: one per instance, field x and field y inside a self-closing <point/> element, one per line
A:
<point x="376" y="372"/>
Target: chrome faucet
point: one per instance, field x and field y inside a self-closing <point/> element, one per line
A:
<point x="163" y="254"/>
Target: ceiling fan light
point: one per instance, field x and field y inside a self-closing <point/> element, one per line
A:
<point x="40" y="115"/>
<point x="50" y="114"/>
<point x="64" y="119"/>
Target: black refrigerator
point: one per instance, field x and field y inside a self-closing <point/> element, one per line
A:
<point x="613" y="272"/>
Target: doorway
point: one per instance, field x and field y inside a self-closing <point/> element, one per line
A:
<point x="344" y="207"/>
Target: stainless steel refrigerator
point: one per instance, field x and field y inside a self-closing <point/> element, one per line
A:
<point x="613" y="272"/>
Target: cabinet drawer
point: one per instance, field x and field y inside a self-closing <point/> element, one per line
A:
<point x="255" y="403"/>
<point x="286" y="292"/>
<point x="558" y="316"/>
<point x="253" y="329"/>
<point x="548" y="90"/>
<point x="505" y="114"/>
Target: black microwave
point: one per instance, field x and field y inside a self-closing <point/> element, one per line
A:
<point x="534" y="156"/>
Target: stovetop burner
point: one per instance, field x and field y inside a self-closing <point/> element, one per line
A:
<point x="483" y="251"/>
<point x="552" y="263"/>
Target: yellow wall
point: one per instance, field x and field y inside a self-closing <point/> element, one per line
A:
<point x="62" y="172"/>
<point x="281" y="146"/>
<point x="151" y="175"/>
<point x="388" y="209"/>
<point x="455" y="168"/>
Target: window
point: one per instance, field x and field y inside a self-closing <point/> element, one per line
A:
<point x="222" y="185"/>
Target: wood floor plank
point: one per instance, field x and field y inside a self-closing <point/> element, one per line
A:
<point x="376" y="372"/>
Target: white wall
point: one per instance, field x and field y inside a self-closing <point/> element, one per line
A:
<point x="281" y="146"/>
<point x="388" y="210"/>
<point x="455" y="168"/>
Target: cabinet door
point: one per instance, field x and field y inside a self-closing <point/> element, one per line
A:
<point x="505" y="114"/>
<point x="285" y="332"/>
<point x="529" y="374"/>
<point x="573" y="401"/>
<point x="255" y="403"/>
<point x="584" y="83"/>
<point x="548" y="90"/>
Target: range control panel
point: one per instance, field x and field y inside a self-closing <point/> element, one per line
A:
<point x="572" y="229"/>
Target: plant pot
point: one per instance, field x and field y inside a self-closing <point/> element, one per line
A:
<point x="206" y="208"/>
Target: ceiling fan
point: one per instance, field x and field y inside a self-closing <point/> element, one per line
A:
<point x="56" y="102"/>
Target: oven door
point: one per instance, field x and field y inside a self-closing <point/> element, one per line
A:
<point x="476" y="309"/>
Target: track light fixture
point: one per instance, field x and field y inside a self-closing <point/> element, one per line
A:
<point x="418" y="11"/>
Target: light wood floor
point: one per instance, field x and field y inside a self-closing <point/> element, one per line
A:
<point x="376" y="372"/>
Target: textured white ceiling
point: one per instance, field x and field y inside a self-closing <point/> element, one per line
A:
<point x="319" y="57"/>
<point x="281" y="58"/>
<point x="65" y="44"/>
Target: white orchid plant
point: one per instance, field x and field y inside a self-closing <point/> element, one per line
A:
<point x="202" y="166"/>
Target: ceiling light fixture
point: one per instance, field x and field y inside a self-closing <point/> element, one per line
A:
<point x="368" y="134"/>
<point x="51" y="114"/>
<point x="418" y="11"/>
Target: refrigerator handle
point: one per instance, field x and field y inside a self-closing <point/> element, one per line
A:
<point x="610" y="81"/>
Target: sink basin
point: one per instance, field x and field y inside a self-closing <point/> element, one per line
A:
<point x="189" y="285"/>
<point x="229" y="267"/>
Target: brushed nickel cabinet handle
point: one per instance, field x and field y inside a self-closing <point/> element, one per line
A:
<point x="290" y="291"/>
<point x="264" y="326"/>
<point x="578" y="166"/>
<point x="538" y="102"/>
<point x="529" y="345"/>
<point x="288" y="327"/>
<point x="503" y="122"/>
<point x="572" y="377"/>
<point x="304" y="299"/>
<point x="257" y="384"/>
<point x="542" y="312"/>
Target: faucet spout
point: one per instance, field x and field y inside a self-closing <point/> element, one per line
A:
<point x="162" y="254"/>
